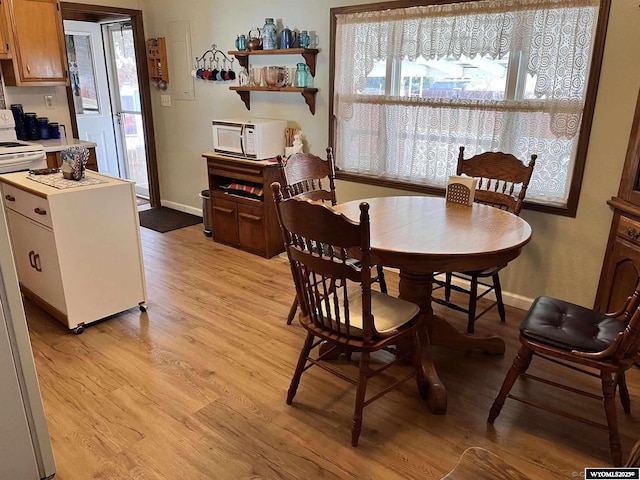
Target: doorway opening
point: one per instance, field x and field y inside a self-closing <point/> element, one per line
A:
<point x="109" y="93"/>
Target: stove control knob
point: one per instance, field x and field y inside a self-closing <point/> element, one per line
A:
<point x="4" y="117"/>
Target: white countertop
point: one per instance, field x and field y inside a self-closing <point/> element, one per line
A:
<point x="59" y="144"/>
<point x="21" y="180"/>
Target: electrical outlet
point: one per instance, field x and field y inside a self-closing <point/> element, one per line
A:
<point x="49" y="102"/>
<point x="166" y="100"/>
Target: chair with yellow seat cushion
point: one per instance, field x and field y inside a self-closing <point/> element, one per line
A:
<point x="336" y="301"/>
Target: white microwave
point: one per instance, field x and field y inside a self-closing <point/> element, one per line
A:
<point x="255" y="139"/>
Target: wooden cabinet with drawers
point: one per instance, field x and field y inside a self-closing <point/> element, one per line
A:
<point x="621" y="267"/>
<point x="250" y="224"/>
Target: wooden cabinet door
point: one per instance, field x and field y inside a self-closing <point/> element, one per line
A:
<point x="224" y="216"/>
<point x="4" y="31"/>
<point x="39" y="55"/>
<point x="251" y="230"/>
<point x="623" y="270"/>
<point x="36" y="259"/>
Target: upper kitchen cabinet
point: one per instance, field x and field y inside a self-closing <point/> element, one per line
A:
<point x="5" y="52"/>
<point x="36" y="40"/>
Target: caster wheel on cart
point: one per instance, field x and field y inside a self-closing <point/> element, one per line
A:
<point x="78" y="330"/>
<point x="142" y="307"/>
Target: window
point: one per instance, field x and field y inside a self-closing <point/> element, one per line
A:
<point x="412" y="84"/>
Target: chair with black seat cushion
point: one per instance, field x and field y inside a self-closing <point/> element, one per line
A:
<point x="308" y="176"/>
<point x="569" y="335"/>
<point x="502" y="183"/>
<point x="338" y="308"/>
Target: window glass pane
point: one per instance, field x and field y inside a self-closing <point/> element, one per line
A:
<point x="376" y="80"/>
<point x="469" y="78"/>
<point x="83" y="81"/>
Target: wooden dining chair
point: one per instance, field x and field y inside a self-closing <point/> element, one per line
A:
<point x="577" y="337"/>
<point x="336" y="301"/>
<point x="308" y="176"/>
<point x="502" y="183"/>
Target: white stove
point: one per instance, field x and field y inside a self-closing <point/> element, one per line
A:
<point x="17" y="155"/>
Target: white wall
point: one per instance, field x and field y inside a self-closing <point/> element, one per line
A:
<point x="565" y="255"/>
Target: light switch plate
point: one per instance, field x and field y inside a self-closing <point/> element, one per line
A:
<point x="166" y="100"/>
<point x="49" y="102"/>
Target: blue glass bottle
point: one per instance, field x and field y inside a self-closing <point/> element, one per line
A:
<point x="301" y="76"/>
<point x="269" y="35"/>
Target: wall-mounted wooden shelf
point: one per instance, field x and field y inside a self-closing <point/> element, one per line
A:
<point x="157" y="60"/>
<point x="309" y="55"/>
<point x="309" y="94"/>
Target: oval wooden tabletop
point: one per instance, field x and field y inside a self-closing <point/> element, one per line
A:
<point x="430" y="234"/>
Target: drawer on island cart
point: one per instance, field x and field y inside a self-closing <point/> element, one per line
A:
<point x="32" y="206"/>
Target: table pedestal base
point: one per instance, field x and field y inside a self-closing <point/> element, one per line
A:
<point x="417" y="287"/>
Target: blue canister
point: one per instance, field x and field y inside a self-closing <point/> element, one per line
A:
<point x="54" y="130"/>
<point x="43" y="126"/>
<point x="303" y="39"/>
<point x="31" y="125"/>
<point x="241" y="42"/>
<point x="18" y="118"/>
<point x="269" y="35"/>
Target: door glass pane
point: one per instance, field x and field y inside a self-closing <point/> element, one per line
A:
<point x="83" y="80"/>
<point x="135" y="148"/>
<point x="130" y="109"/>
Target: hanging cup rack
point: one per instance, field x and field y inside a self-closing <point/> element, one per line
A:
<point x="205" y="69"/>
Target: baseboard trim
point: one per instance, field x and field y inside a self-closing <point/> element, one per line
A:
<point x="181" y="207"/>
<point x="511" y="299"/>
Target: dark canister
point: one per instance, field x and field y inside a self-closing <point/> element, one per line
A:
<point x="43" y="126"/>
<point x="18" y="118"/>
<point x="31" y="124"/>
<point x="54" y="130"/>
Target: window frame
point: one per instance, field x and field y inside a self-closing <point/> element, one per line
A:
<point x="585" y="128"/>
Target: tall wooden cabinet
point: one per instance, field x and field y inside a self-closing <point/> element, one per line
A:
<point x="36" y="44"/>
<point x="621" y="267"/>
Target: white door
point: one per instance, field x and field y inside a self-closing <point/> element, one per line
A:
<point x="90" y="87"/>
<point x="127" y="104"/>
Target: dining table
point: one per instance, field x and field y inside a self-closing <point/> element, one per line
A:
<point x="422" y="235"/>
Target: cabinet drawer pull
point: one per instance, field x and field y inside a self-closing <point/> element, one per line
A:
<point x="633" y="233"/>
<point x="227" y="211"/>
<point x="36" y="262"/>
<point x="39" y="211"/>
<point x="10" y="198"/>
<point x="31" y="261"/>
<point x="28" y="68"/>
<point x="251" y="218"/>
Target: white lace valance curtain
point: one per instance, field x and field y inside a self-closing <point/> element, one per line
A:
<point x="555" y="37"/>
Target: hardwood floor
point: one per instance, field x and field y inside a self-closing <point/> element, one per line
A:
<point x="195" y="389"/>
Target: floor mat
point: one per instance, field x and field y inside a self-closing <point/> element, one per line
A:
<point x="163" y="219"/>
